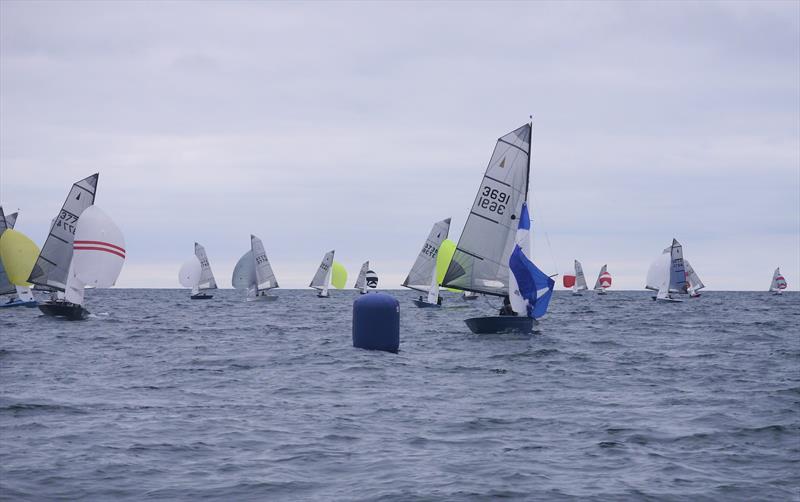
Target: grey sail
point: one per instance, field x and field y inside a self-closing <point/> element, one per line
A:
<point x="318" y="282"/>
<point x="265" y="277"/>
<point x="677" y="272"/>
<point x="206" y="276"/>
<point x="580" y="278"/>
<point x="695" y="284"/>
<point x="52" y="266"/>
<point x="480" y="261"/>
<point x="244" y="273"/>
<point x="361" y="280"/>
<point x="6" y="222"/>
<point x="422" y="271"/>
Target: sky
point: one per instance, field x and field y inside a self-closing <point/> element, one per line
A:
<point x="355" y="126"/>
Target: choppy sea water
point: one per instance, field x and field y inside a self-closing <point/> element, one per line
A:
<point x="615" y="397"/>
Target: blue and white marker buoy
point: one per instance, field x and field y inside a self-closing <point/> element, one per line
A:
<point x="376" y="323"/>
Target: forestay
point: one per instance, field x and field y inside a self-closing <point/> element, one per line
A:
<point x="206" y="276"/>
<point x="480" y="262"/>
<point x="52" y="266"/>
<point x="424" y="268"/>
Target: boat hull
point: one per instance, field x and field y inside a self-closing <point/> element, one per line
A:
<point x="320" y="295"/>
<point x="262" y="298"/>
<point x="201" y="296"/>
<point x="500" y="324"/>
<point x="424" y="305"/>
<point x="67" y="310"/>
<point x="667" y="300"/>
<point x="19" y="303"/>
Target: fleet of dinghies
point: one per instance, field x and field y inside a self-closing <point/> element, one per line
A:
<point x="85" y="249"/>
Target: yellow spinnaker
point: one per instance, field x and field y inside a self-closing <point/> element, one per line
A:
<point x="338" y="275"/>
<point x="446" y="250"/>
<point x="19" y="255"/>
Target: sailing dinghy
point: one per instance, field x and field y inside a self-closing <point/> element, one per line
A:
<point x="778" y="283"/>
<point x="492" y="255"/>
<point x="361" y="280"/>
<point x="328" y="273"/>
<point x="97" y="259"/>
<point x="206" y="279"/>
<point x="693" y="280"/>
<point x="254" y="274"/>
<point x="580" y="280"/>
<point x="603" y="281"/>
<point x="423" y="276"/>
<point x="667" y="274"/>
<point x="17" y="255"/>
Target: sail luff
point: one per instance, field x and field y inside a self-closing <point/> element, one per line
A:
<point x="52" y="266"/>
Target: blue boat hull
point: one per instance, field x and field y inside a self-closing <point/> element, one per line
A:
<point x="68" y="310"/>
<point x="500" y="324"/>
<point x="19" y="303"/>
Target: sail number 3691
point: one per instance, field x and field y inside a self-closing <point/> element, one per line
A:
<point x="493" y="199"/>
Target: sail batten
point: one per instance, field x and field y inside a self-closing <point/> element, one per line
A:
<point x="480" y="261"/>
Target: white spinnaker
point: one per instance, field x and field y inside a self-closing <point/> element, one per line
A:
<point x="597" y="284"/>
<point x="480" y="261"/>
<point x="98" y="253"/>
<point x="580" y="279"/>
<point x="52" y="266"/>
<point x="206" y="276"/>
<point x="244" y="273"/>
<point x="322" y="278"/>
<point x="695" y="284"/>
<point x="189" y="274"/>
<point x="265" y="277"/>
<point x="419" y="278"/>
<point x="361" y="280"/>
<point x="658" y="271"/>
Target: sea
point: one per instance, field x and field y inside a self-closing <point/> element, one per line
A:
<point x="615" y="397"/>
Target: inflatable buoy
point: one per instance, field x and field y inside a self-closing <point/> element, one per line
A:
<point x="376" y="323"/>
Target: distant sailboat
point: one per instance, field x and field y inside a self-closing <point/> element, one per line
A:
<point x="492" y="255"/>
<point x="778" y="283"/>
<point x="52" y="268"/>
<point x="17" y="255"/>
<point x="254" y="274"/>
<point x="603" y="281"/>
<point x="667" y="274"/>
<point x="98" y="256"/>
<point x="580" y="280"/>
<point x="361" y="280"/>
<point x="693" y="280"/>
<point x="206" y="280"/>
<point x="423" y="276"/>
<point x="329" y="273"/>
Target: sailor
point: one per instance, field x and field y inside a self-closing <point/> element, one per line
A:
<point x="506" y="308"/>
<point x="439" y="300"/>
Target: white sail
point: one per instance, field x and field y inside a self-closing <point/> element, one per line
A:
<point x="658" y="270"/>
<point x="695" y="284"/>
<point x="419" y="278"/>
<point x="98" y="254"/>
<point x="6" y="222"/>
<point x="265" y="277"/>
<point x="480" y="262"/>
<point x="24" y="293"/>
<point x="433" y="291"/>
<point x="580" y="279"/>
<point x="189" y="274"/>
<point x="52" y="266"/>
<point x="361" y="280"/>
<point x="244" y="274"/>
<point x="322" y="278"/>
<point x="206" y="276"/>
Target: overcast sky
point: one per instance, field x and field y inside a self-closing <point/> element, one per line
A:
<point x="356" y="125"/>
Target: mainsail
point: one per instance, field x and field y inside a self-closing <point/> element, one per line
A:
<point x="677" y="275"/>
<point x="265" y="277"/>
<point x="480" y="262"/>
<point x="322" y="277"/>
<point x="580" y="279"/>
<point x="52" y="266"/>
<point x="361" y="280"/>
<point x="423" y="274"/>
<point x="206" y="276"/>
